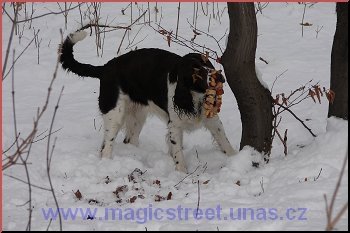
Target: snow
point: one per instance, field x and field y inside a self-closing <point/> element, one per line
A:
<point x="285" y="182"/>
<point x="260" y="78"/>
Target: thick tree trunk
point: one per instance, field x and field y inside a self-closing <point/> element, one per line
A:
<point x="254" y="100"/>
<point x="339" y="64"/>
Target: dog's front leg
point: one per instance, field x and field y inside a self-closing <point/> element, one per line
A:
<point x="216" y="128"/>
<point x="174" y="139"/>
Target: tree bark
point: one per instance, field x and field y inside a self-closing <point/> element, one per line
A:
<point x="254" y="100"/>
<point x="339" y="64"/>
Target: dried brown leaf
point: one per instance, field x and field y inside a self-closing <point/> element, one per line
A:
<point x="277" y="100"/>
<point x="312" y="94"/>
<point x="317" y="91"/>
<point x="306" y="24"/>
<point x="168" y="38"/>
<point x="330" y="96"/>
<point x="78" y="194"/>
<point x="121" y="189"/>
<point x="157" y="182"/>
<point x="132" y="199"/>
<point x="169" y="196"/>
<point x="158" y="198"/>
<point x="284" y="101"/>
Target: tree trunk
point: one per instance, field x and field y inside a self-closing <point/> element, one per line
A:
<point x="339" y="64"/>
<point x="254" y="100"/>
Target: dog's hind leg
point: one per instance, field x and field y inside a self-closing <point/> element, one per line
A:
<point x="216" y="128"/>
<point x="135" y="119"/>
<point x="112" y="121"/>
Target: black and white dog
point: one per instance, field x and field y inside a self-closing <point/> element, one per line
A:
<point x="149" y="80"/>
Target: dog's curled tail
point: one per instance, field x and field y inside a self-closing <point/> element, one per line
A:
<point x="68" y="61"/>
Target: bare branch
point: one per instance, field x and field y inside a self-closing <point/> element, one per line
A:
<point x="178" y="19"/>
<point x="186" y="43"/>
<point x="10" y="39"/>
<point x="121" y="42"/>
<point x="40" y="139"/>
<point x="48" y="154"/>
<point x="296" y="117"/>
<point x="25" y="182"/>
<point x="187" y="176"/>
<point x="50" y="13"/>
<point x="4" y="152"/>
<point x="209" y="35"/>
<point x="329" y="209"/>
<point x="277" y="77"/>
<point x="302" y="21"/>
<point x="198" y="197"/>
<point x="13" y="64"/>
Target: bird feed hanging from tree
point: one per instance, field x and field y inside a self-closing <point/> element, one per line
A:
<point x="213" y="95"/>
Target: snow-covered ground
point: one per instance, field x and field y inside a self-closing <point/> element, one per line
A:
<point x="288" y="186"/>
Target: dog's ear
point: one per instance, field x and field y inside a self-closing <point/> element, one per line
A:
<point x="183" y="100"/>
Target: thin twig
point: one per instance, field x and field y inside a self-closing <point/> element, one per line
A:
<point x="178" y="19"/>
<point x="282" y="140"/>
<point x="187" y="176"/>
<point x="263" y="60"/>
<point x="48" y="226"/>
<point x="209" y="35"/>
<point x="319" y="174"/>
<point x="198" y="198"/>
<point x="25" y="182"/>
<point x="10" y="40"/>
<point x="302" y="21"/>
<point x="329" y="209"/>
<point x="50" y="13"/>
<point x="318" y="29"/>
<point x="121" y="42"/>
<point x="186" y="43"/>
<point x="296" y="117"/>
<point x="277" y="77"/>
<point x="131" y="43"/>
<point x="4" y="152"/>
<point x="47" y="135"/>
<point x="29" y="224"/>
<point x="48" y="154"/>
<point x="339" y="215"/>
<point x="14" y="101"/>
<point x="25" y="143"/>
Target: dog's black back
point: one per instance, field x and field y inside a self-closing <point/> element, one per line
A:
<point x="143" y="75"/>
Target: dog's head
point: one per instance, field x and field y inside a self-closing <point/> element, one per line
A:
<point x="192" y="76"/>
<point x="202" y="69"/>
